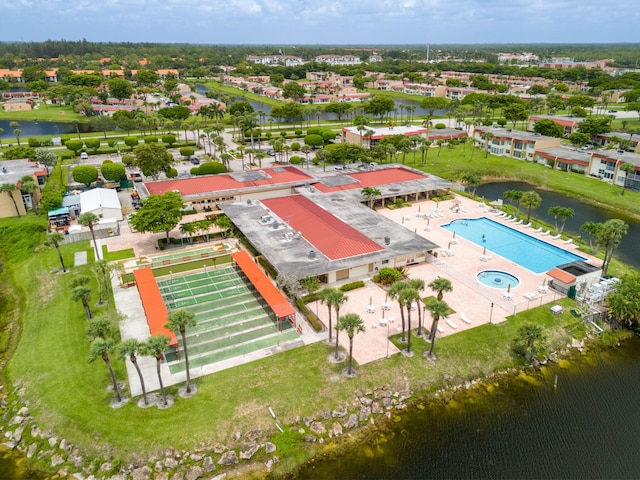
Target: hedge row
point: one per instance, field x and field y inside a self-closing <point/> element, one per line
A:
<point x="351" y="286"/>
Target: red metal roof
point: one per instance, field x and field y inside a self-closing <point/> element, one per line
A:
<point x="222" y="182"/>
<point x="559" y="121"/>
<point x="561" y="276"/>
<point x="269" y="292"/>
<point x="334" y="238"/>
<point x="374" y="178"/>
<point x="153" y="304"/>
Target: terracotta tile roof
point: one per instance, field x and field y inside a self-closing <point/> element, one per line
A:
<point x="225" y="182"/>
<point x="373" y="179"/>
<point x="561" y="276"/>
<point x="333" y="237"/>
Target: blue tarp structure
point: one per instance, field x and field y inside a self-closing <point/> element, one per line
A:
<point x="59" y="211"/>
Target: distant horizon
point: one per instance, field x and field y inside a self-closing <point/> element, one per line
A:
<point x="330" y="22"/>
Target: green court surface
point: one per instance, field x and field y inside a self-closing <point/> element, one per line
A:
<point x="232" y="318"/>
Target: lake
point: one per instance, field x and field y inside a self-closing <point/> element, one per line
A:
<point x="627" y="252"/>
<point x="33" y="129"/>
<point x="523" y="428"/>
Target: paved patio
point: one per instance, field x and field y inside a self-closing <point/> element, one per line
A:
<point x="479" y="303"/>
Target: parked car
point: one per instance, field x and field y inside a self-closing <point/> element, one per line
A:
<point x="587" y="147"/>
<point x="84" y="156"/>
<point x="195" y="161"/>
<point x="271" y="153"/>
<point x="612" y="111"/>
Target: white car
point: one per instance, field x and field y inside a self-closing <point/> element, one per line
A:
<point x="84" y="156"/>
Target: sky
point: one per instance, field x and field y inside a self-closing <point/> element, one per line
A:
<point x="282" y="22"/>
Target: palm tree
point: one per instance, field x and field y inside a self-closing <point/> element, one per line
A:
<point x="89" y="219"/>
<point x="83" y="294"/>
<point x="188" y="229"/>
<point x="609" y="238"/>
<point x="486" y="136"/>
<point x="370" y="193"/>
<point x="471" y="180"/>
<point x="531" y="200"/>
<point x="53" y="239"/>
<point x="130" y="348"/>
<point x="27" y="185"/>
<point x="438" y="309"/>
<point x="9" y="188"/>
<point x="1" y="132"/>
<point x="424" y="150"/>
<point x="409" y="296"/>
<point x="337" y="299"/>
<point x="101" y="347"/>
<point x="352" y="324"/>
<point x="441" y="285"/>
<point x="529" y="339"/>
<point x="628" y="168"/>
<point x="394" y="293"/>
<point x="155" y="347"/>
<point x="418" y="285"/>
<point x="325" y="298"/>
<point x="103" y="326"/>
<point x="15" y="126"/>
<point x="103" y="271"/>
<point x="178" y="321"/>
<point x="592" y="229"/>
<point x="562" y="213"/>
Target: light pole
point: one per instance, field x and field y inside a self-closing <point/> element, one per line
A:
<point x="491" y="312"/>
<point x="387" y="340"/>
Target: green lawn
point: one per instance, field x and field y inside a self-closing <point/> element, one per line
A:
<point x="68" y="395"/>
<point x="44" y="113"/>
<point x="117" y="255"/>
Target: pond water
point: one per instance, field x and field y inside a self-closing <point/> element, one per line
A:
<point x="520" y="428"/>
<point x="32" y="129"/>
<point x="628" y="250"/>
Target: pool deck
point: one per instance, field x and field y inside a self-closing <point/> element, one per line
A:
<point x="468" y="295"/>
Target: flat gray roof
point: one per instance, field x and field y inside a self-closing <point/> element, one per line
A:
<point x="290" y="254"/>
<point x="513" y="134"/>
<point x="566" y="153"/>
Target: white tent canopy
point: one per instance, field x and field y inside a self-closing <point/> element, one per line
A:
<point x="104" y="202"/>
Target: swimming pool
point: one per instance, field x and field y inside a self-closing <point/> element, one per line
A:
<point x="523" y="249"/>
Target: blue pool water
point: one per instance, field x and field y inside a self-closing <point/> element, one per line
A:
<point x="520" y="248"/>
<point x="498" y="279"/>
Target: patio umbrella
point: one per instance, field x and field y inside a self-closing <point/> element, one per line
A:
<point x="428" y="220"/>
<point x="484" y="251"/>
<point x="419" y="207"/>
<point x="456" y="201"/>
<point x="454" y="234"/>
<point x="370" y="300"/>
<point x="509" y="288"/>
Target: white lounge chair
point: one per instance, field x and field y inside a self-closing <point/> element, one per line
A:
<point x="464" y="318"/>
<point x="440" y="329"/>
<point x="508" y="217"/>
<point x="539" y="229"/>
<point x="569" y="241"/>
<point x="507" y="296"/>
<point x="519" y="222"/>
<point x="450" y="323"/>
<point x="546" y="233"/>
<point x="529" y="295"/>
<point x="463" y="210"/>
<point x="555" y="237"/>
<point x="527" y="225"/>
<point x="543" y="289"/>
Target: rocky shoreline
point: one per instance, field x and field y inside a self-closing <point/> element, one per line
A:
<point x="218" y="462"/>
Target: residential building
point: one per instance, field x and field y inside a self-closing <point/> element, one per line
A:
<point x="276" y="60"/>
<point x="605" y="165"/>
<point x="17" y="105"/>
<point x="506" y="142"/>
<point x="611" y="140"/>
<point x="568" y="122"/>
<point x="367" y="136"/>
<point x="338" y="59"/>
<point x="11" y="171"/>
<point x="564" y="158"/>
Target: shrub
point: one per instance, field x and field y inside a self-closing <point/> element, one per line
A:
<point x="34" y="142"/>
<point x="389" y="275"/>
<point x="128" y="160"/>
<point x="168" y="139"/>
<point x="112" y="142"/>
<point x="283" y="134"/>
<point x="187" y="152"/>
<point x="74" y="145"/>
<point x="171" y="173"/>
<point x="502" y="122"/>
<point x="351" y="286"/>
<point x="22" y="151"/>
<point x="268" y="267"/>
<point x="151" y="139"/>
<point x="92" y="143"/>
<point x="209" y="168"/>
<point x="314" y="140"/>
<point x="131" y="142"/>
<point x="295" y="160"/>
<point x="311" y="317"/>
<point x="113" y="171"/>
<point x="440" y="126"/>
<point x="295" y="146"/>
<point x="86" y="174"/>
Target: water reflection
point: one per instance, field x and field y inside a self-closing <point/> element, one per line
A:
<point x="626" y="252"/>
<point x="520" y="428"/>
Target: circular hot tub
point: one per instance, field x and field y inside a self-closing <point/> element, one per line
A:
<point x="497" y="279"/>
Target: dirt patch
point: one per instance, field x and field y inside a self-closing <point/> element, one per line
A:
<point x="47" y="287"/>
